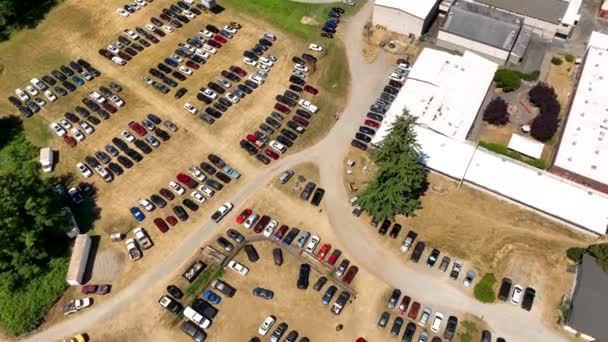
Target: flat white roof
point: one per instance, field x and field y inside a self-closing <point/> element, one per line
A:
<point x="598" y="40"/>
<point x="444" y="154"/>
<point x="526" y="146"/>
<point x="572" y="15"/>
<point x="584" y="145"/>
<point x="418" y="8"/>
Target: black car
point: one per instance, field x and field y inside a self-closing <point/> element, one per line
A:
<point x="25" y="111"/>
<point x="262" y="158"/>
<point x="505" y="289"/>
<point x="225" y="244"/>
<point x="244" y="89"/>
<point x="223" y="177"/>
<point x="111" y="150"/>
<point x="130" y="51"/>
<point x="71" y="117"/>
<point x="247" y="146"/>
<point x="375" y="116"/>
<point x="169" y="81"/>
<point x="120" y="144"/>
<point x="251" y="84"/>
<point x="486" y="336"/>
<point x="297" y="60"/>
<point x="192" y="330"/>
<point x="156" y="72"/>
<point x="134" y="155"/>
<point x="137" y="47"/>
<point x="288" y="239"/>
<point x="49" y="80"/>
<point x="217" y="161"/>
<point x="396" y="328"/>
<point x="164" y="68"/>
<point x="180" y="92"/>
<point x="367" y="130"/>
<point x="309" y="57"/>
<point x="154" y="21"/>
<point x="308" y="188"/>
<point x="384" y="227"/>
<point x="297" y="80"/>
<point x="285" y="141"/>
<point x="277" y="256"/>
<point x="303" y="277"/>
<point x="317" y="197"/>
<point x="224" y="102"/>
<point x="383" y="320"/>
<point x="92" y="162"/>
<point x="212" y="28"/>
<point x="14" y="101"/>
<point x="272" y="122"/>
<point x="213" y="184"/>
<point x="142" y="146"/>
<point x="269" y="130"/>
<point x="180" y="213"/>
<point x="216" y="87"/>
<point x="69" y="86"/>
<point x="395" y="230"/>
<point x="76" y="66"/>
<point x="417" y="253"/>
<point x="252" y="253"/>
<point x="208" y="168"/>
<point x="124" y="161"/>
<point x="432" y="259"/>
<point x="450" y="329"/>
<point x="58" y="75"/>
<point x="158" y="201"/>
<point x="289" y="134"/>
<point x="410" y="330"/>
<point x="66" y="70"/>
<point x="203" y="98"/>
<point x="188" y="203"/>
<point x="93" y="120"/>
<point x="320" y="283"/>
<point x="104" y="115"/>
<point x="528" y="300"/>
<point x="279" y="332"/>
<point x="213" y="112"/>
<point x="32" y="107"/>
<point x="358" y="144"/>
<point x="178" y="75"/>
<point x="116" y="168"/>
<point x="363" y="137"/>
<point x="204" y="308"/>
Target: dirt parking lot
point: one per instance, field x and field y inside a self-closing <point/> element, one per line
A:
<point x="489" y="234"/>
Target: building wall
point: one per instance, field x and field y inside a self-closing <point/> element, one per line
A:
<point x="458" y="43"/>
<point x="397" y="21"/>
<point x="573" y="331"/>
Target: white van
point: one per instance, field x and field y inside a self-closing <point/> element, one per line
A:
<point x="46" y="159"/>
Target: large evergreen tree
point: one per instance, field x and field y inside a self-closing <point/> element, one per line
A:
<point x="400" y="180"/>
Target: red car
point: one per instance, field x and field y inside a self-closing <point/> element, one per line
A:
<point x="186" y="180"/>
<point x="124" y="56"/>
<point x="192" y="65"/>
<point x="334" y="257"/>
<point x="214" y="43"/>
<point x="109" y="107"/>
<point x="164" y="17"/>
<point x="243" y="216"/>
<point x="261" y="224"/>
<point x="405" y="303"/>
<point x="281" y="108"/>
<point x="69" y="140"/>
<point x="171" y="220"/>
<point x="414" y="311"/>
<point x="311" y="89"/>
<point x="279" y="233"/>
<point x="96" y="289"/>
<point x="371" y="123"/>
<point x="272" y="154"/>
<point x="323" y="251"/>
<point x="166" y="194"/>
<point x="161" y="225"/>
<point x="137" y="128"/>
<point x="238" y="71"/>
<point x="220" y="39"/>
<point x="350" y="274"/>
<point x="300" y="120"/>
<point x="251" y="138"/>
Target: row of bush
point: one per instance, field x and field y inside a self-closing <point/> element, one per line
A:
<point x="501" y="149"/>
<point x="509" y="80"/>
<point x="598" y="251"/>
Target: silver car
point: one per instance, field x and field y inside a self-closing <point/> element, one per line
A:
<point x="302" y="239"/>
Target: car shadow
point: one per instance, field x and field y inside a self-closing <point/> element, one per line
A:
<point x="88" y="273"/>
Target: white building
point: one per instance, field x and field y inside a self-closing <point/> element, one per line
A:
<point x="445" y="91"/>
<point x="407" y="17"/>
<point x="583" y="150"/>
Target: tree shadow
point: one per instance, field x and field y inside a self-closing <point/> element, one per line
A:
<point x="10" y="126"/>
<point x="28" y="14"/>
<point x="88" y="273"/>
<point x="217" y="9"/>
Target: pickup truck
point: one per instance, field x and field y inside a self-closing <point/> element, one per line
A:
<point x="408" y="241"/>
<point x="76" y="305"/>
<point x="133" y="249"/>
<point x="142" y="237"/>
<point x="171" y="305"/>
<point x="340" y="303"/>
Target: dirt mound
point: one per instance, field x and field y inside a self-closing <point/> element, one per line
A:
<point x="309" y="21"/>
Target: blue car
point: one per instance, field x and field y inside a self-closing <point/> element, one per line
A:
<point x="139" y="216"/>
<point x="78" y="80"/>
<point x="211" y="297"/>
<point x="331" y="291"/>
<point x="172" y="62"/>
<point x="231" y="172"/>
<point x="330" y="25"/>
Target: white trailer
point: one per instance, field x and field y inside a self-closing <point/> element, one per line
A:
<point x="79" y="259"/>
<point x="46" y="159"/>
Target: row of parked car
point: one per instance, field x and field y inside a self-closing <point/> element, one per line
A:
<point x="376" y="113"/>
<point x="144" y="131"/>
<point x="30" y="101"/>
<point x="278" y="332"/>
<point x="516" y="294"/>
<point x="307" y="191"/>
<point x="331" y="24"/>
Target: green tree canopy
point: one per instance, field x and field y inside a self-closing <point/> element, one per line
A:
<point x="400" y="180"/>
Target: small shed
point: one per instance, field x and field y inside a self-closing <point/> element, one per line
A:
<point x="79" y="259"/>
<point x="526" y="146"/>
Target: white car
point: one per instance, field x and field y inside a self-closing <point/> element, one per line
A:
<point x="31" y="90"/>
<point x="189" y="2"/>
<point x="84" y="170"/>
<point x="88" y="129"/>
<point x="189" y="14"/>
<point x="207" y="191"/>
<point x="131" y="34"/>
<point x="250" y="61"/>
<point x="189" y="107"/>
<point x="198" y="197"/>
<point x="301" y="67"/>
<point x="206" y="33"/>
<point x="437" y="320"/>
<point x="396" y="77"/>
<point x="266" y="61"/>
<point x="167" y="28"/>
<point x="238" y="268"/>
<point x="269" y="36"/>
<point x="21" y="95"/>
<point x="151" y="27"/>
<point x="146" y="204"/>
<point x="118" y="45"/>
<point x="118" y="60"/>
<point x="224" y="83"/>
<point x="266" y="325"/>
<point x="315" y="47"/>
<point x="257" y="79"/>
<point x="65" y="124"/>
<point x="128" y="136"/>
<point x="209" y="49"/>
<point x="141" y="3"/>
<point x="517" y="293"/>
<point x="232" y="98"/>
<point x="250" y="221"/>
<point x="308" y="105"/>
<point x="57" y="129"/>
<point x="263" y="67"/>
<point x="36" y="83"/>
<point x="196" y="317"/>
<point x="113" y="49"/>
<point x="178" y="189"/>
<point x="97" y="97"/>
<point x="404" y="66"/>
<point x="177" y="57"/>
<point x="122" y="12"/>
<point x="77" y="134"/>
<point x="277" y="146"/>
<point x="270" y="227"/>
<point x="222" y="211"/>
<point x="210" y="93"/>
<point x="83" y="303"/>
<point x="117" y="100"/>
<point x="312" y="244"/>
<point x="196" y="173"/>
<point x="203" y="54"/>
<point x="185" y="70"/>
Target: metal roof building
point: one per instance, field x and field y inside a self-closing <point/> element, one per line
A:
<point x="407" y="17"/>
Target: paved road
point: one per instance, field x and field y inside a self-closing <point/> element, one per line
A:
<point x="367" y="81"/>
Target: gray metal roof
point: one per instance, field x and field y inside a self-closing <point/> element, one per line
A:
<point x="590" y="302"/>
<point x="546" y="10"/>
<point x="483" y="24"/>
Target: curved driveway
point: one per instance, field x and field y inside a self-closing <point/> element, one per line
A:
<point x="367" y="81"/>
